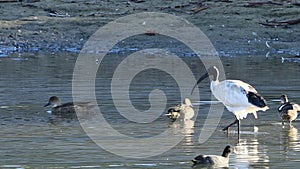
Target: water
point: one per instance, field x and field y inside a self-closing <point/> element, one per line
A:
<point x="31" y="137"/>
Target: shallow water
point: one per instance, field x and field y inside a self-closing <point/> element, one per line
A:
<point x="31" y="137"/>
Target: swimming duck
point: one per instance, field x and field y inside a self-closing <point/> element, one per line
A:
<point x="216" y="160"/>
<point x="66" y="108"/>
<point x="288" y="111"/>
<point x="185" y="109"/>
<point x="237" y="96"/>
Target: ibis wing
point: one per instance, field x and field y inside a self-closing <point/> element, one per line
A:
<point x="242" y="94"/>
<point x="242" y="85"/>
<point x="256" y="99"/>
<point x="232" y="93"/>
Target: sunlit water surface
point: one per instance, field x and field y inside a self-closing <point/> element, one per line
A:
<point x="31" y="137"/>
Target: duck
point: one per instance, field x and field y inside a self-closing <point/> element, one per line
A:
<point x="288" y="111"/>
<point x="238" y="97"/>
<point x="66" y="108"/>
<point x="173" y="112"/>
<point x="185" y="109"/>
<point x="215" y="160"/>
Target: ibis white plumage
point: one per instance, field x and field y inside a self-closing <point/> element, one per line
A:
<point x="288" y="111"/>
<point x="237" y="96"/>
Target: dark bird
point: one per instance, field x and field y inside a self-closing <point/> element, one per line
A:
<point x="67" y="108"/>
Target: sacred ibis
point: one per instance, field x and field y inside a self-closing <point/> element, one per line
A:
<point x="238" y="97"/>
<point x="288" y="111"/>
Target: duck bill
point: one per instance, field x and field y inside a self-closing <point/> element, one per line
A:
<point x="48" y="104"/>
<point x="200" y="79"/>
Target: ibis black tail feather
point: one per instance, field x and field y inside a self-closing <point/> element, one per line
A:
<point x="256" y="99"/>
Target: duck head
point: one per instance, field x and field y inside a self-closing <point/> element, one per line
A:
<point x="227" y="151"/>
<point x="187" y="102"/>
<point x="54" y="101"/>
<point x="284" y="99"/>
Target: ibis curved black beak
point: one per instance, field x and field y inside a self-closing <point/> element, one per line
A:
<point x="201" y="78"/>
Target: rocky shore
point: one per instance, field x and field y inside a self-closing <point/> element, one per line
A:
<point x="234" y="27"/>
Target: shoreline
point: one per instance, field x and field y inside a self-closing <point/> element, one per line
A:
<point x="235" y="28"/>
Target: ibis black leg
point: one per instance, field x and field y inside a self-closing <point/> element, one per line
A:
<point x="239" y="127"/>
<point x="227" y="127"/>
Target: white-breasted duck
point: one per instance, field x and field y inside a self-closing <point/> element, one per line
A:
<point x="288" y="111"/>
<point x="216" y="160"/>
<point x="184" y="110"/>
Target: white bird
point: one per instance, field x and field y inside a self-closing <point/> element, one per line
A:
<point x="288" y="111"/>
<point x="238" y="97"/>
<point x="215" y="160"/>
<point x="185" y="109"/>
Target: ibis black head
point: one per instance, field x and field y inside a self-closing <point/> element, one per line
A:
<point x="210" y="71"/>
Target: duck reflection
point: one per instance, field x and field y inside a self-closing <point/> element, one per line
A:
<point x="188" y="131"/>
<point x="188" y="126"/>
<point x="289" y="138"/>
<point x="249" y="153"/>
<point x="208" y="167"/>
<point x="185" y="127"/>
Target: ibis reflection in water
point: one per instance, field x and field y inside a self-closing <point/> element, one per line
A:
<point x="238" y="97"/>
<point x="288" y="111"/>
